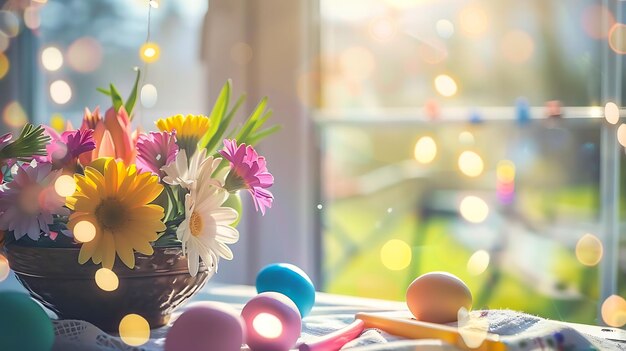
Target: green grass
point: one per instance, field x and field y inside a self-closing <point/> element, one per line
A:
<point x="358" y="228"/>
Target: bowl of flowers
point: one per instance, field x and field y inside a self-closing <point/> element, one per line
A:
<point x="104" y="221"/>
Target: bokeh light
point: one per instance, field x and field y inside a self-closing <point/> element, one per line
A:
<point x="466" y="138"/>
<point x="383" y="29"/>
<point x="134" y="330"/>
<point x="614" y="311"/>
<point x="154" y="4"/>
<point x="396" y="255"/>
<point x="267" y="325"/>
<point x="14" y="115"/>
<point x="107" y="280"/>
<point x="474" y="20"/>
<point x="478" y="262"/>
<point x="445" y="85"/>
<point x="425" y="150"/>
<point x="592" y="20"/>
<point x="505" y="171"/>
<point x="85" y="54"/>
<point x="51" y="58"/>
<point x="148" y="96"/>
<point x="505" y="186"/>
<point x="84" y="231"/>
<point x="4" y="65"/>
<point x="517" y="46"/>
<point x="57" y="122"/>
<point x="444" y="28"/>
<point x="9" y="23"/>
<point x="60" y="92"/>
<point x="4" y="268"/>
<point x="611" y="112"/>
<point x="150" y="52"/>
<point x="357" y="63"/>
<point x="65" y="185"/>
<point x="241" y="53"/>
<point x="617" y="38"/>
<point x="474" y="209"/>
<point x="470" y="164"/>
<point x="621" y="134"/>
<point x="32" y="20"/>
<point x="589" y="250"/>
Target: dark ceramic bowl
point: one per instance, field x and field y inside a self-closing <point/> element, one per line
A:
<point x="153" y="289"/>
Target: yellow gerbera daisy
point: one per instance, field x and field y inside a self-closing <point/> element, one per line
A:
<point x="189" y="129"/>
<point x="115" y="200"/>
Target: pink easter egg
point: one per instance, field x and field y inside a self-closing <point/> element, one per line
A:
<point x="273" y="322"/>
<point x="206" y="326"/>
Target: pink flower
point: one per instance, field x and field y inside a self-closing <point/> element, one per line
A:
<point x="28" y="202"/>
<point x="64" y="150"/>
<point x="249" y="171"/>
<point x="156" y="150"/>
<point x="112" y="134"/>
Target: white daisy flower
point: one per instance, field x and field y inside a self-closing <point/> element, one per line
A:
<point x="185" y="172"/>
<point x="207" y="226"/>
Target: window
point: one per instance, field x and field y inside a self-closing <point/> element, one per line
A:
<point x="464" y="136"/>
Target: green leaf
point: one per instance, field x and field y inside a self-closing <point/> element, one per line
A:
<point x="116" y="97"/>
<point x="132" y="98"/>
<point x="254" y="140"/>
<point x="251" y="122"/>
<point x="217" y="114"/>
<point x="104" y="91"/>
<point x="31" y="142"/>
<point x="219" y="135"/>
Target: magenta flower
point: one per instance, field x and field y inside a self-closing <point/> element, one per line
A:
<point x="28" y="202"/>
<point x="156" y="150"/>
<point x="64" y="149"/>
<point x="249" y="171"/>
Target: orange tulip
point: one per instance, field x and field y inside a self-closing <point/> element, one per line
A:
<point x="113" y="136"/>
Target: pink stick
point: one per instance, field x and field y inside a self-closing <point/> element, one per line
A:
<point x="335" y="340"/>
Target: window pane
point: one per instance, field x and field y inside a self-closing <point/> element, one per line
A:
<point x="380" y="54"/>
<point x="513" y="211"/>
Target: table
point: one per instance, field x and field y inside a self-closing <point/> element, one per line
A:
<point x="332" y="312"/>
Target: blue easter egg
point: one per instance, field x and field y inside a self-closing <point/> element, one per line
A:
<point x="24" y="326"/>
<point x="290" y="281"/>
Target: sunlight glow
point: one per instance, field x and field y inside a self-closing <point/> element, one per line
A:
<point x="445" y="85"/>
<point x="478" y="262"/>
<point x="107" y="280"/>
<point x="134" y="330"/>
<point x="589" y="250"/>
<point x="396" y="255"/>
<point x="84" y="231"/>
<point x="60" y="92"/>
<point x="51" y="58"/>
<point x="267" y="325"/>
<point x="425" y="150"/>
<point x="614" y="311"/>
<point x="471" y="164"/>
<point x="474" y="209"/>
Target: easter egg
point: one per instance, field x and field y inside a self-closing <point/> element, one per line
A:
<point x="24" y="326"/>
<point x="206" y="326"/>
<point x="437" y="297"/>
<point x="273" y="322"/>
<point x="290" y="281"/>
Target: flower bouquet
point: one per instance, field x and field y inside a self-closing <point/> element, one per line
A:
<point x="103" y="221"/>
